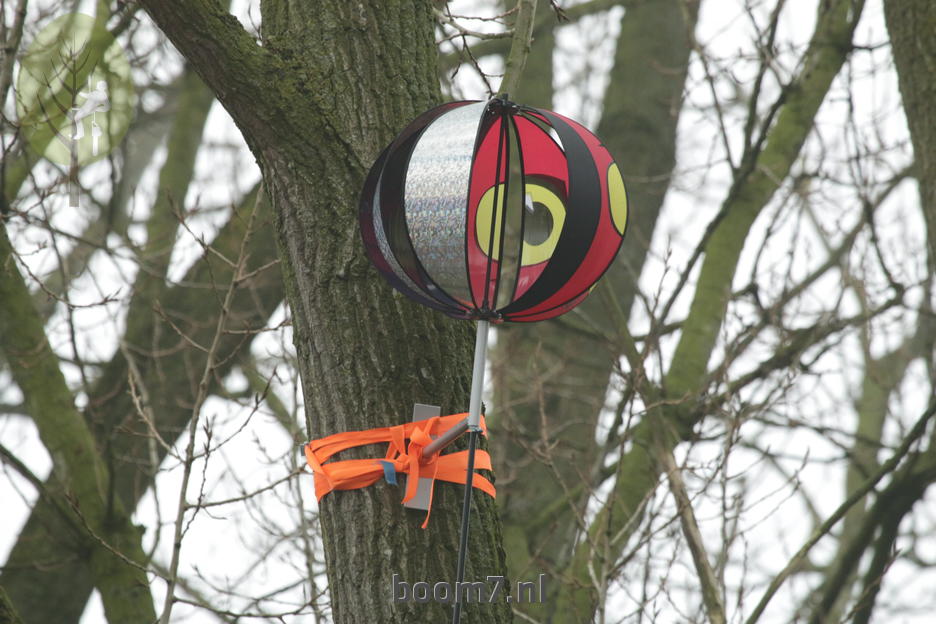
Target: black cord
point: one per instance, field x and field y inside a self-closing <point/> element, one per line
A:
<point x="463" y="535"/>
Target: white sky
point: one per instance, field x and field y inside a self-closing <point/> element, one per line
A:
<point x="776" y="522"/>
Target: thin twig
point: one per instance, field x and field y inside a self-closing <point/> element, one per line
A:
<point x="465" y="32"/>
<point x="206" y="377"/>
<point x="711" y="594"/>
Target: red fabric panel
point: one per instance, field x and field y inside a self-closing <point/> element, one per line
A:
<point x="604" y="247"/>
<point x="548" y="314"/>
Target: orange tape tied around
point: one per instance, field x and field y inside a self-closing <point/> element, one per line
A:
<point x="406" y="458"/>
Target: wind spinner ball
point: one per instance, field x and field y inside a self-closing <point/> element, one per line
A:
<point x="494" y="211"/>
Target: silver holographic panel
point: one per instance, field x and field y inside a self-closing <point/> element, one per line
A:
<point x="435" y="195"/>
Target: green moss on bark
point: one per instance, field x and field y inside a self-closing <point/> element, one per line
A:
<point x="332" y="84"/>
<point x="77" y="468"/>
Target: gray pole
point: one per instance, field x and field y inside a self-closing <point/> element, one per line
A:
<point x="477" y="376"/>
<point x="473" y="422"/>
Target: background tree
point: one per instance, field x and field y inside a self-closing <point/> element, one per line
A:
<point x="763" y="347"/>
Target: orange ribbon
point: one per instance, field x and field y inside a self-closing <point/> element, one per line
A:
<point x="405" y="458"/>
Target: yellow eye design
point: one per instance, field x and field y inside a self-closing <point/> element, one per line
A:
<point x="617" y="197"/>
<point x="543" y="219"/>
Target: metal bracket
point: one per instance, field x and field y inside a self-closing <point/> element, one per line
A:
<point x="421" y="500"/>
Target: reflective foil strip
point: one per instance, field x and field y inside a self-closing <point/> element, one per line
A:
<point x="435" y="197"/>
<point x="385" y="246"/>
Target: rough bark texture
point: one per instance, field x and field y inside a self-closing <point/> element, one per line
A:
<point x="911" y="25"/>
<point x="330" y="86"/>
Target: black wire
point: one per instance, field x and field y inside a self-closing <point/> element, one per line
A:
<point x="463" y="535"/>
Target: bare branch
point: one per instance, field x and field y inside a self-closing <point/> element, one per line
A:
<point x="519" y="46"/>
<point x="202" y="394"/>
<point x="918" y="429"/>
<point x="711" y="592"/>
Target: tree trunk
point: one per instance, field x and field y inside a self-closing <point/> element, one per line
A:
<point x="331" y="85"/>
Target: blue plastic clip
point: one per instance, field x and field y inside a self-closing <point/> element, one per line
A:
<point x="389" y="472"/>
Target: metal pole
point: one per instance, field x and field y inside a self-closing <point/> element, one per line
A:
<point x="474" y="426"/>
<point x="477" y="377"/>
<point x="473" y="422"/>
<point x="445" y="439"/>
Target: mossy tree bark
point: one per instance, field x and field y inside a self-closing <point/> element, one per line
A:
<point x="330" y="85"/>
